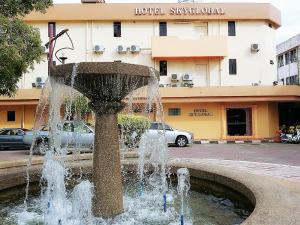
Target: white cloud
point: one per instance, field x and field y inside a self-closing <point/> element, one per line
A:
<point x="289" y="10"/>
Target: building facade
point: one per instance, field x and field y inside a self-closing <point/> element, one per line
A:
<point x="216" y="61"/>
<point x="288" y="61"/>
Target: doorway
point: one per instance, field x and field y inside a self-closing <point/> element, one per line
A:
<point x="200" y="78"/>
<point x="239" y="121"/>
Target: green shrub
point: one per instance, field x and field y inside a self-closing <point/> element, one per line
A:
<point x="131" y="128"/>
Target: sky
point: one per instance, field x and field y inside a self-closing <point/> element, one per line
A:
<point x="289" y="11"/>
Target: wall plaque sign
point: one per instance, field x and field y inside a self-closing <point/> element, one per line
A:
<point x="201" y="112"/>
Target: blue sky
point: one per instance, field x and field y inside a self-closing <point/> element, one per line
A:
<point x="289" y="9"/>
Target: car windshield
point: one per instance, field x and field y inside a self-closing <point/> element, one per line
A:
<point x="4" y="132"/>
<point x="160" y="126"/>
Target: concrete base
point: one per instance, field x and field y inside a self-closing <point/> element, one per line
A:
<point x="108" y="193"/>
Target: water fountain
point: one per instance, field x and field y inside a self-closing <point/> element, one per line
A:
<point x="106" y="85"/>
<point x="148" y="196"/>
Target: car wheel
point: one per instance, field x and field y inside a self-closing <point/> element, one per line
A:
<point x="181" y="141"/>
<point x="41" y="148"/>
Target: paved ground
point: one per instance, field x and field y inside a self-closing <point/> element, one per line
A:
<point x="288" y="154"/>
<point x="276" y="160"/>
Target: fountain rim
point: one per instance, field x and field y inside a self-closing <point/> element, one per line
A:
<point x="103" y="69"/>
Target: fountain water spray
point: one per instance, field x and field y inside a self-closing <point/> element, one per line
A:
<point x="183" y="187"/>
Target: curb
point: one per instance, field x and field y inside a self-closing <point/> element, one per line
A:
<point x="233" y="142"/>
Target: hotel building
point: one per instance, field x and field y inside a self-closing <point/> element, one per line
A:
<point x="217" y="61"/>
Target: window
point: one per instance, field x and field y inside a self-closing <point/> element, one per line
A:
<point x="293" y="55"/>
<point x="163" y="68"/>
<point x="162" y="29"/>
<point x="53" y="25"/>
<point x="287" y="58"/>
<point x="231" y="28"/>
<point x="280" y="61"/>
<point x="174" y="112"/>
<point x="117" y="29"/>
<point x="153" y="126"/>
<point x="11" y="116"/>
<point x="232" y="66"/>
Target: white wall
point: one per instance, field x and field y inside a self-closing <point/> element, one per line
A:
<point x="251" y="67"/>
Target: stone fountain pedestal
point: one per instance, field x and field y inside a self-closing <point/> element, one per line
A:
<point x="105" y="84"/>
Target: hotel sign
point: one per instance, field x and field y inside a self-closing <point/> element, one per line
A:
<point x="175" y="11"/>
<point x="201" y="112"/>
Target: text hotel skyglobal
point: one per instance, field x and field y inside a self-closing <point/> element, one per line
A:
<point x="180" y="11"/>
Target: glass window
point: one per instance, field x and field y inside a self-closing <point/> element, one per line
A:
<point x="287" y="58"/>
<point x="11" y="116"/>
<point x="117" y="29"/>
<point x="4" y="132"/>
<point x="153" y="126"/>
<point x="232" y="66"/>
<point x="163" y="68"/>
<point x="231" y="28"/>
<point x="174" y="112"/>
<point x="280" y="61"/>
<point x="163" y="29"/>
<point x="293" y="56"/>
<point x="53" y="25"/>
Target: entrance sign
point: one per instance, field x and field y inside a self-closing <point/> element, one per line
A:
<point x="156" y="11"/>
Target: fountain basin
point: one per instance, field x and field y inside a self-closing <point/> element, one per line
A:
<point x="276" y="201"/>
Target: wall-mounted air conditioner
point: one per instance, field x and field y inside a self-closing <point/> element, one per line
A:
<point x="121" y="49"/>
<point x="38" y="83"/>
<point x="135" y="48"/>
<point x="254" y="47"/>
<point x="174" y="85"/>
<point x="174" y="78"/>
<point x="187" y="77"/>
<point x="99" y="49"/>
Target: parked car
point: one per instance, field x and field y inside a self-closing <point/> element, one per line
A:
<point x="173" y="136"/>
<point x="12" y="138"/>
<point x="73" y="134"/>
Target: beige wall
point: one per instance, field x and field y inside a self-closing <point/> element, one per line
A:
<point x="24" y="116"/>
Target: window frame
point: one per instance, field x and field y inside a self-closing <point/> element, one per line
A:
<point x="163" y="71"/>
<point x="174" y="111"/>
<point x="163" y="29"/>
<point x="8" y="115"/>
<point x="117" y="29"/>
<point x="232" y="66"/>
<point x="231" y="28"/>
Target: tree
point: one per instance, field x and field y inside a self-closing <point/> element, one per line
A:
<point x="20" y="44"/>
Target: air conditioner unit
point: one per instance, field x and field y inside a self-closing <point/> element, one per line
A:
<point x="99" y="49"/>
<point x="174" y="85"/>
<point x="161" y="85"/>
<point x="255" y="84"/>
<point x="254" y="47"/>
<point x="187" y="77"/>
<point x="174" y="77"/>
<point x="39" y="82"/>
<point x="45" y="50"/>
<point x="135" y="49"/>
<point x="121" y="49"/>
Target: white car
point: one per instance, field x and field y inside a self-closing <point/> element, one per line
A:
<point x="173" y="136"/>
